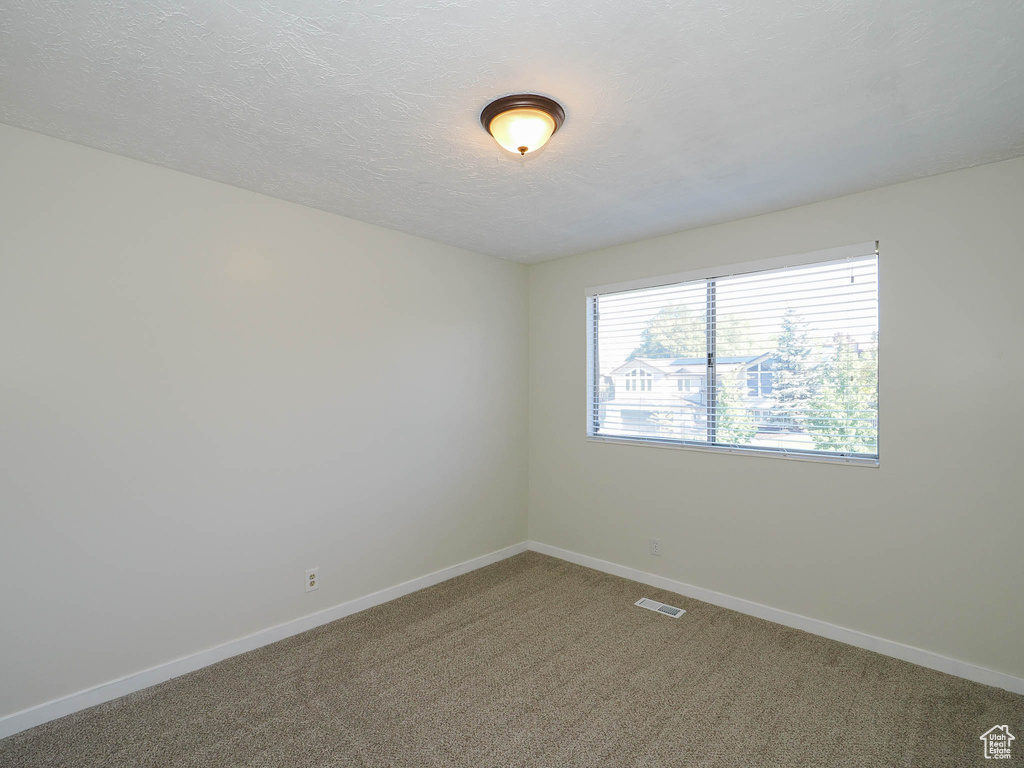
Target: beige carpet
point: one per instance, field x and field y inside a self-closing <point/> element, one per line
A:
<point x="537" y="662"/>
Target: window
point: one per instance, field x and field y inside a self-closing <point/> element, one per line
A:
<point x="639" y="379"/>
<point x="791" y="346"/>
<point x="759" y="379"/>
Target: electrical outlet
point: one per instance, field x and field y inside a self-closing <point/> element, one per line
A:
<point x="312" y="579"/>
<point x="655" y="545"/>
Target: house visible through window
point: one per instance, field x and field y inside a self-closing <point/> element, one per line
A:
<point x="791" y="346"/>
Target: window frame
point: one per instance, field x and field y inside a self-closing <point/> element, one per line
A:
<point x="592" y="399"/>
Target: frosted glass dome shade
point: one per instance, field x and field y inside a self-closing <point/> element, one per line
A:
<point x="524" y="122"/>
<point x="522" y="130"/>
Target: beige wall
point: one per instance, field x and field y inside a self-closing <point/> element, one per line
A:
<point x="205" y="391"/>
<point x="927" y="548"/>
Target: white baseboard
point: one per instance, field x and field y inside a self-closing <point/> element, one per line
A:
<point x="909" y="653"/>
<point x="51" y="710"/>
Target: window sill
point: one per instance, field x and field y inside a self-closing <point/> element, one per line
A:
<point x="759" y="452"/>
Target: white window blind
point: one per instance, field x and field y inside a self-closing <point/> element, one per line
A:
<point x="776" y="359"/>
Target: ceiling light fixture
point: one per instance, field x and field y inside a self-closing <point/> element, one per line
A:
<point x="524" y="122"/>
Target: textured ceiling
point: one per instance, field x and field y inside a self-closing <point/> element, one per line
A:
<point x="679" y="113"/>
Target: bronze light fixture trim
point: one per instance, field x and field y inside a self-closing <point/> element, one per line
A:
<point x="522" y="122"/>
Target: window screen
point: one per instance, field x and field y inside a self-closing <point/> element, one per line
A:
<point x="782" y="360"/>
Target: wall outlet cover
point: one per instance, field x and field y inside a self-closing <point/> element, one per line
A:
<point x="312" y="579"/>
